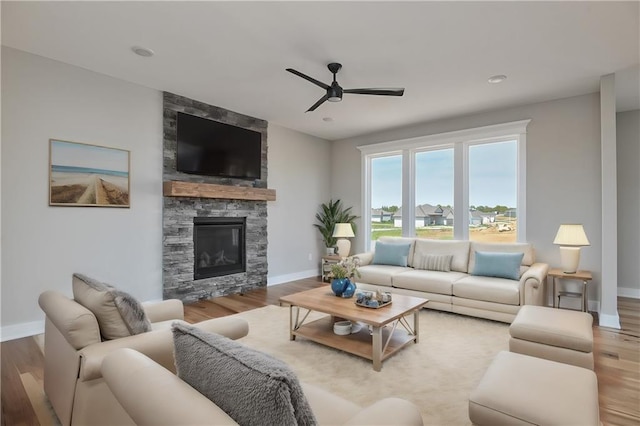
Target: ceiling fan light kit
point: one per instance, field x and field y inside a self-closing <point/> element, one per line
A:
<point x="335" y="91"/>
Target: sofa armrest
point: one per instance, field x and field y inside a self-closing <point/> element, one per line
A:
<point x="152" y="395"/>
<point x="76" y="323"/>
<point x="388" y="411"/>
<point x="166" y="310"/>
<point x="365" y="258"/>
<point x="157" y="345"/>
<point x="532" y="285"/>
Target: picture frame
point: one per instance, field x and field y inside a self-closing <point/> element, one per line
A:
<point x="86" y="175"/>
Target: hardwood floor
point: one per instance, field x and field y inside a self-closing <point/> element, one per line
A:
<point x="617" y="365"/>
<point x="617" y="359"/>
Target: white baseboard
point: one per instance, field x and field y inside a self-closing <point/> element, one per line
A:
<point x="281" y="279"/>
<point x="611" y="321"/>
<point x="629" y="292"/>
<point x="16" y="331"/>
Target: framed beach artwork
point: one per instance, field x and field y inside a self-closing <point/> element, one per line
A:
<point x="87" y="175"/>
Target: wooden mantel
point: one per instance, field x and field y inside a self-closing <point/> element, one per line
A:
<point x="174" y="188"/>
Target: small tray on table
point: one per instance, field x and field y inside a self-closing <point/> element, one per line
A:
<point x="380" y="305"/>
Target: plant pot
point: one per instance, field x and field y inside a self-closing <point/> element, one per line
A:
<point x="331" y="251"/>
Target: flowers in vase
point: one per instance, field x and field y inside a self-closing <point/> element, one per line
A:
<point x="346" y="268"/>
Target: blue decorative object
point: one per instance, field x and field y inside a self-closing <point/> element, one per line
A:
<point x="349" y="290"/>
<point x="501" y="265"/>
<point x="343" y="287"/>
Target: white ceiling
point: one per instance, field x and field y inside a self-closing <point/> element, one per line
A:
<point x="234" y="54"/>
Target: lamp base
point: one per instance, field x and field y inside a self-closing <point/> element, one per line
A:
<point x="569" y="259"/>
<point x="344" y="246"/>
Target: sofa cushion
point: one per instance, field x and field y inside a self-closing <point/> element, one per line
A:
<point x="428" y="281"/>
<point x="379" y="274"/>
<point x="488" y="289"/>
<point x="527" y="260"/>
<point x="400" y="240"/>
<point x="500" y="265"/>
<point x="118" y="313"/>
<point x="250" y="386"/>
<point x="433" y="262"/>
<point x="458" y="249"/>
<point x="396" y="254"/>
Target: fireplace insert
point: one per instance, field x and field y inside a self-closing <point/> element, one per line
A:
<point x="219" y="246"/>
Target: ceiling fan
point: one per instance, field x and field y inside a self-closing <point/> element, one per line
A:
<point x="334" y="91"/>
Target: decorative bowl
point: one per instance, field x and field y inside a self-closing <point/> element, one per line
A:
<point x="342" y="328"/>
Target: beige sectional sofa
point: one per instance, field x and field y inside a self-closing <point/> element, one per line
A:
<point x="458" y="290"/>
<point x="153" y="395"/>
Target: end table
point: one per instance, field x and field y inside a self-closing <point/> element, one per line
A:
<point x="584" y="276"/>
<point x="327" y="261"/>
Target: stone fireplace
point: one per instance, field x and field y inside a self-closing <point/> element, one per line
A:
<point x="224" y="229"/>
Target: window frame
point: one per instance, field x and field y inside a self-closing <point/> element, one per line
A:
<point x="460" y="141"/>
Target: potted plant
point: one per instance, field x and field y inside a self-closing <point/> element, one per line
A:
<point x="341" y="275"/>
<point x="331" y="213"/>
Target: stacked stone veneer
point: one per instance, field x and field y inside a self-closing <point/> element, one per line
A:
<point x="178" y="212"/>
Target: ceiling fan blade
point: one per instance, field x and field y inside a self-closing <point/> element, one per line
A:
<point x="383" y="92"/>
<point x="306" y="77"/>
<point x="317" y="104"/>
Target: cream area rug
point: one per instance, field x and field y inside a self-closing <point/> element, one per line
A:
<point x="437" y="374"/>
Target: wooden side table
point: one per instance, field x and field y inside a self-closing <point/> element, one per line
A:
<point x="584" y="276"/>
<point x="327" y="261"/>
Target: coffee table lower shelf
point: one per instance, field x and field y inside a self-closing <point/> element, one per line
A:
<point x="360" y="344"/>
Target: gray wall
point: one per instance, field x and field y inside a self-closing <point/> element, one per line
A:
<point x="628" y="159"/>
<point x="299" y="169"/>
<point x="563" y="170"/>
<point x="42" y="246"/>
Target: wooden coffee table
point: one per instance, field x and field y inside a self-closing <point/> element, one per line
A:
<point x="385" y="337"/>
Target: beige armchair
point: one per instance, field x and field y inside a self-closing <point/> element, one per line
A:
<point x="74" y="351"/>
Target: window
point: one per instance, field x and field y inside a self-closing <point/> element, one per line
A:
<point x="434" y="194"/>
<point x="493" y="192"/>
<point x="386" y="196"/>
<point x="468" y="184"/>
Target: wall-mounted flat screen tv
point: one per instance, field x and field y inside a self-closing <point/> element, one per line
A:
<point x="207" y="147"/>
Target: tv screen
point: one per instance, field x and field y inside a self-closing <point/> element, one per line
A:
<point x="207" y="147"/>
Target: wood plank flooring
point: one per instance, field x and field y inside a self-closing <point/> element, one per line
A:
<point x="617" y="359"/>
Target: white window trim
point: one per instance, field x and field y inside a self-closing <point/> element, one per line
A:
<point x="460" y="140"/>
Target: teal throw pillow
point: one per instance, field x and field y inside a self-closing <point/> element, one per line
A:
<point x="500" y="265"/>
<point x="396" y="254"/>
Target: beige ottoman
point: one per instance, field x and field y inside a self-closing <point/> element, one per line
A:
<point x="520" y="389"/>
<point x="554" y="334"/>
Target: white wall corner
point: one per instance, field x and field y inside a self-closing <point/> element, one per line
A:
<point x="281" y="279"/>
<point x="611" y="321"/>
<point x="17" y="331"/>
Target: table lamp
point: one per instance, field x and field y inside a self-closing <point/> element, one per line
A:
<point x="570" y="238"/>
<point x="342" y="231"/>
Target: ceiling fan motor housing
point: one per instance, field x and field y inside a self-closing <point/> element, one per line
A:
<point x="334" y="92"/>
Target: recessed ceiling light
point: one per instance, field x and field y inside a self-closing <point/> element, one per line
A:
<point x="142" y="51"/>
<point x="327" y="119"/>
<point x="497" y="79"/>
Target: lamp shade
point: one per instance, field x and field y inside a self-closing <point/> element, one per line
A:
<point x="343" y="230"/>
<point x="571" y="235"/>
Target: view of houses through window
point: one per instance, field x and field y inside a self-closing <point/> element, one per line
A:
<point x="386" y="195"/>
<point x="493" y="192"/>
<point x="490" y="181"/>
